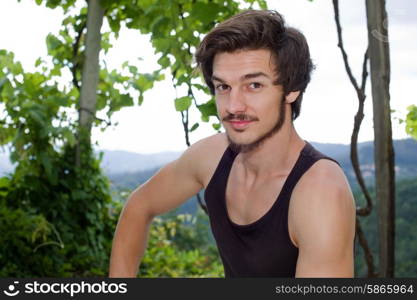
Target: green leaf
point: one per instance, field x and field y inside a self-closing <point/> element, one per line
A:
<point x="38" y="62"/>
<point x="52" y="43"/>
<point x="4" y="182"/>
<point x="206" y="12"/>
<point x="56" y="71"/>
<point x="202" y="87"/>
<point x="162" y="44"/>
<point x="37" y="116"/>
<point x="2" y="82"/>
<point x="144" y="82"/>
<point x="216" y="126"/>
<point x="70" y="137"/>
<point x="47" y="164"/>
<point x="194" y="127"/>
<point x="164" y="62"/>
<point x="208" y="109"/>
<point x="411" y="121"/>
<point x="133" y="69"/>
<point x="114" y="25"/>
<point x="126" y="100"/>
<point x="182" y="103"/>
<point x="159" y="26"/>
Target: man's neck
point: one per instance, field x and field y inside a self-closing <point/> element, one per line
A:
<point x="274" y="156"/>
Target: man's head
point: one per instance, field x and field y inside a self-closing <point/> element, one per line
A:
<point x="261" y="29"/>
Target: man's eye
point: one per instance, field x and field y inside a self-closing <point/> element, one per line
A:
<point x="222" y="87"/>
<point x="255" y="85"/>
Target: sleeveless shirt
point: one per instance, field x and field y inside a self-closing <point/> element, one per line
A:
<point x="262" y="248"/>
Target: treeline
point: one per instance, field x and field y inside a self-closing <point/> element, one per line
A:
<point x="405" y="230"/>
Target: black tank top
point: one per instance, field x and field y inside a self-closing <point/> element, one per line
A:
<point x="262" y="248"/>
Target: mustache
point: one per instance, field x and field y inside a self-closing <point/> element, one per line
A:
<point x="239" y="117"/>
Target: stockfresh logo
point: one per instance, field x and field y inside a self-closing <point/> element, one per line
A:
<point x="11" y="290"/>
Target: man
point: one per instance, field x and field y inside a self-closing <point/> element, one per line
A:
<point x="277" y="206"/>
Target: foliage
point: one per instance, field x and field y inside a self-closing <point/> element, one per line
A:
<point x="46" y="189"/>
<point x="411" y="121"/>
<point x="60" y="228"/>
<point x="406" y="227"/>
<point x="178" y="247"/>
<point x="28" y="240"/>
<point x="176" y="28"/>
<point x="116" y="88"/>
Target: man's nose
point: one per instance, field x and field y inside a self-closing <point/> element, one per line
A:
<point x="236" y="103"/>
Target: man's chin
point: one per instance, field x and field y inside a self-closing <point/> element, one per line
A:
<point x="241" y="145"/>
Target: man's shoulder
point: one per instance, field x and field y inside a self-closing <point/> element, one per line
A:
<point x="324" y="174"/>
<point x="214" y="143"/>
<point x="324" y="182"/>
<point x="322" y="204"/>
<point x="205" y="154"/>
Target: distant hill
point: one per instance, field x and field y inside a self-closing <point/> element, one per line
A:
<point x="124" y="162"/>
<point x="405" y="151"/>
<point x="130" y="169"/>
<point x="116" y="162"/>
<point x="405" y="158"/>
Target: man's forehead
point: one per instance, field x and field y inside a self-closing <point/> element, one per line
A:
<point x="243" y="64"/>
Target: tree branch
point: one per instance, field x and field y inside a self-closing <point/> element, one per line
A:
<point x="360" y="92"/>
<point x="108" y="123"/>
<point x="367" y="251"/>
<point x="340" y="45"/>
<point x="75" y="48"/>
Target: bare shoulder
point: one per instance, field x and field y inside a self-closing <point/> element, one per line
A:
<point x="321" y="203"/>
<point x="323" y="176"/>
<point x="205" y="155"/>
<point x="322" y="222"/>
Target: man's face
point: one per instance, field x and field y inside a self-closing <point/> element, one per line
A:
<point x="250" y="106"/>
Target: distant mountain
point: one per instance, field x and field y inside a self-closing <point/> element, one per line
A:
<point x="405" y="158"/>
<point x="116" y="162"/>
<point x="405" y="151"/>
<point x="130" y="169"/>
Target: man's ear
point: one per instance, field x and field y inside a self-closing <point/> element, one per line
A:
<point x="290" y="98"/>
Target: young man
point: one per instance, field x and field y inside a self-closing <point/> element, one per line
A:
<point x="277" y="206"/>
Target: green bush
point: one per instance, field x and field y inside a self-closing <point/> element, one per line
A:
<point x="67" y="223"/>
<point x="30" y="245"/>
<point x="177" y="248"/>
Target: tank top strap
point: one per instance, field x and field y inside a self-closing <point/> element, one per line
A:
<point x="308" y="156"/>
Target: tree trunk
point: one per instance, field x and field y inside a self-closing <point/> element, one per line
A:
<point x="90" y="74"/>
<point x="384" y="152"/>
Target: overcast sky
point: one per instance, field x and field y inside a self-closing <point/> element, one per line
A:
<point x="328" y="106"/>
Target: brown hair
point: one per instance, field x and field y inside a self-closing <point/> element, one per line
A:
<point x="261" y="29"/>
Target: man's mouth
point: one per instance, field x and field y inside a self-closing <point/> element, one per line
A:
<point x="240" y="124"/>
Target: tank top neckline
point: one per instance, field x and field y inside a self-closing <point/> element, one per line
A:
<point x="279" y="200"/>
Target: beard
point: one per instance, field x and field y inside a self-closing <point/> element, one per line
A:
<point x="244" y="148"/>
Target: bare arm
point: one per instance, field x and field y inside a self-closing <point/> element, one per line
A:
<point x="166" y="190"/>
<point x="325" y="225"/>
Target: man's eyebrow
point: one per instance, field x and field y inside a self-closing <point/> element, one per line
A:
<point x="213" y="77"/>
<point x="244" y="77"/>
<point x="254" y="75"/>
